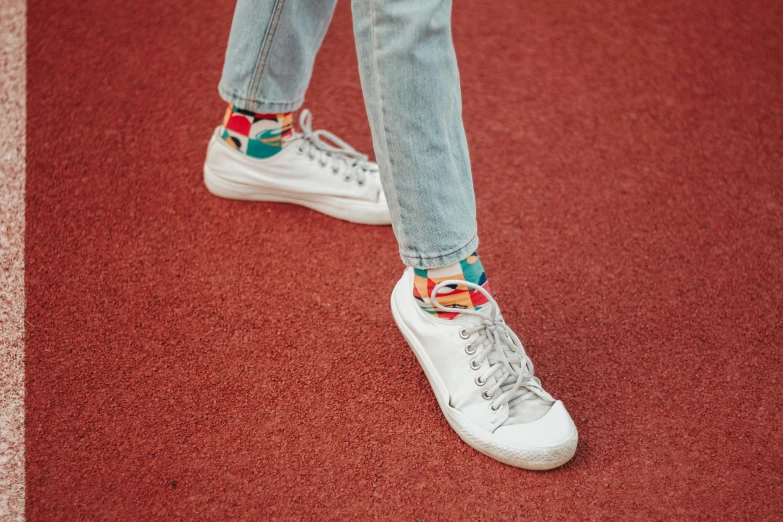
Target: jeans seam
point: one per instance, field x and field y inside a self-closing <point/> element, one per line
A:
<point x="263" y="55"/>
<point x="378" y="84"/>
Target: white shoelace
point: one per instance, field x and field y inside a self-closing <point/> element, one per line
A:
<point x="328" y="149"/>
<point x="500" y="346"/>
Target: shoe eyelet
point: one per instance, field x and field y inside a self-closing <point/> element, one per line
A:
<point x="360" y="183"/>
<point x="299" y="150"/>
<point x="486" y="395"/>
<point x="322" y="163"/>
<point x="347" y="179"/>
<point x="474" y="364"/>
<point x="479" y="381"/>
<point x="470" y="349"/>
<point x="335" y="170"/>
<point x="463" y="333"/>
<point x="492" y="407"/>
<point x="311" y="156"/>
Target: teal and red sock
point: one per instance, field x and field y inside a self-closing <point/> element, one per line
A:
<point x="454" y="296"/>
<point x="257" y="135"/>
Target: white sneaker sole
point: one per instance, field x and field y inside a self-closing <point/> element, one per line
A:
<point x="532" y="458"/>
<point x="228" y="181"/>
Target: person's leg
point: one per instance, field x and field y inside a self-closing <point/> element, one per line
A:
<point x="269" y="63"/>
<point x="411" y="89"/>
<point x="255" y="154"/>
<point x="478" y="369"/>
<point x="271" y="52"/>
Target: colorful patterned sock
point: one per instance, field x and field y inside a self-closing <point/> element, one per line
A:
<point x="454" y="296"/>
<point x="257" y="135"/>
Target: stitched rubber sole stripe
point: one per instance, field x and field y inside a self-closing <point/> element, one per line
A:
<point x="357" y="212"/>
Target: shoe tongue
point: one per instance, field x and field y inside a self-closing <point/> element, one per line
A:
<point x="474" y="320"/>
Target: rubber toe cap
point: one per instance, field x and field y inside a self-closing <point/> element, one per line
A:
<point x="553" y="429"/>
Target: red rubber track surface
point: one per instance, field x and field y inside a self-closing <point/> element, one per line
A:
<point x="192" y="358"/>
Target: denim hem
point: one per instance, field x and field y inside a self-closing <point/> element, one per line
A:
<point x="260" y="106"/>
<point x="439" y="260"/>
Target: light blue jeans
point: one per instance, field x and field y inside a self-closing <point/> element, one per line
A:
<point x="410" y="81"/>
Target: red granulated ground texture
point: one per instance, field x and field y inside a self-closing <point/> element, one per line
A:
<point x="193" y="358"/>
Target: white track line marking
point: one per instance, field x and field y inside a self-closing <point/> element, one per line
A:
<point x="12" y="183"/>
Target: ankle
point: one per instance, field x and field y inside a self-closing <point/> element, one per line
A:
<point x="457" y="297"/>
<point x="257" y="135"/>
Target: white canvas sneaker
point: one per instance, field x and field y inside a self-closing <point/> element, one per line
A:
<point x="315" y="169"/>
<point x="484" y="382"/>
